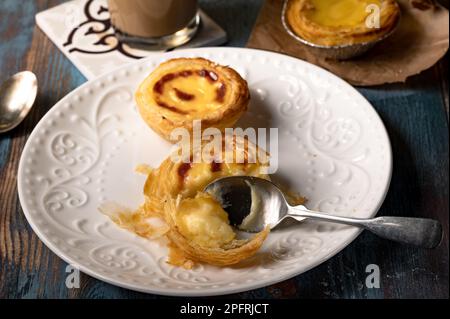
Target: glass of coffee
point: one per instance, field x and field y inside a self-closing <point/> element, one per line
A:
<point x="156" y="24"/>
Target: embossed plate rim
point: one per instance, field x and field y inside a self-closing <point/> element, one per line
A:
<point x="210" y="291"/>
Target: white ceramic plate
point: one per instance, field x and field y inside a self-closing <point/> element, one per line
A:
<point x="333" y="148"/>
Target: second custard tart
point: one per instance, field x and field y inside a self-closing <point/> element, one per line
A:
<point x="197" y="227"/>
<point x="182" y="90"/>
<point x="341" y="22"/>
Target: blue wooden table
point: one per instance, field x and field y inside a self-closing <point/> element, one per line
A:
<point x="415" y="114"/>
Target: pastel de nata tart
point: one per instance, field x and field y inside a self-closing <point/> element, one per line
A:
<point x="195" y="224"/>
<point x="199" y="229"/>
<point x="340" y="22"/>
<point x="182" y="90"/>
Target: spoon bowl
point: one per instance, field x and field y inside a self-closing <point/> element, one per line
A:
<point x="17" y="96"/>
<point x="254" y="203"/>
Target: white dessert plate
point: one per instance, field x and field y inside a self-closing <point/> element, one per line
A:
<point x="333" y="149"/>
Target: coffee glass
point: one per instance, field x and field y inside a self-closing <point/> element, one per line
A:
<point x="158" y="24"/>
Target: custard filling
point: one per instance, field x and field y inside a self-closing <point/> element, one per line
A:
<point x="202" y="220"/>
<point x="190" y="91"/>
<point x="195" y="177"/>
<point x="340" y="13"/>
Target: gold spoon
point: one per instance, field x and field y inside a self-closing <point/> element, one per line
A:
<point x="17" y="96"/>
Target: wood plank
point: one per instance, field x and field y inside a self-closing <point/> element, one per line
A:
<point x="28" y="268"/>
<point x="442" y="73"/>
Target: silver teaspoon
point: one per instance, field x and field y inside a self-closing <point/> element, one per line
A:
<point x="17" y="95"/>
<point x="254" y="203"/>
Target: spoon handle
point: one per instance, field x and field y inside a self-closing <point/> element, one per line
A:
<point x="421" y="232"/>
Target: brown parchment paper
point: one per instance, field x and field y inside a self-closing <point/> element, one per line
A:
<point x="421" y="39"/>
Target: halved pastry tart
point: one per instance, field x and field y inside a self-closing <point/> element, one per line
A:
<point x="182" y="90"/>
<point x="197" y="227"/>
<point x="341" y="22"/>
